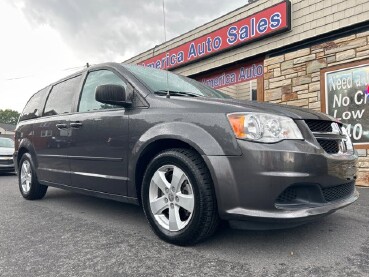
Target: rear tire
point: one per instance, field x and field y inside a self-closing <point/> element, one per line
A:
<point x="29" y="186"/>
<point x="178" y="197"/>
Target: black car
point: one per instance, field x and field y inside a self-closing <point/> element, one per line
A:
<point x="189" y="154"/>
<point x="6" y="155"/>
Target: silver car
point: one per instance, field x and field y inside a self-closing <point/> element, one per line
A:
<point x="6" y="155"/>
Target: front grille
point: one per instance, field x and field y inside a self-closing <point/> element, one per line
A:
<point x="329" y="145"/>
<point x="321" y="129"/>
<point x="338" y="192"/>
<point x="319" y="125"/>
<point x="6" y="160"/>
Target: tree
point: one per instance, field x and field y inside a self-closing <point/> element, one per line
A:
<point x="9" y="116"/>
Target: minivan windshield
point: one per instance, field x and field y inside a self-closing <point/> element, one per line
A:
<point x="161" y="81"/>
<point x="6" y="143"/>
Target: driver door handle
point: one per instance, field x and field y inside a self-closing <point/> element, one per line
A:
<point x="61" y="126"/>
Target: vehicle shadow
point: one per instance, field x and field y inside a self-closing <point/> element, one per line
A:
<point x="312" y="241"/>
<point x="96" y="208"/>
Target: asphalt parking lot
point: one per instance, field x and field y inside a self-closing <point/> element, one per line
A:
<point x="67" y="234"/>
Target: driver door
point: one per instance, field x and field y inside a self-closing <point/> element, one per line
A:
<point x="99" y="139"/>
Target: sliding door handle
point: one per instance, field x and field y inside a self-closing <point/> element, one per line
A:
<point x="76" y="124"/>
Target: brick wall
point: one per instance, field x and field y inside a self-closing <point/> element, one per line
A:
<point x="294" y="78"/>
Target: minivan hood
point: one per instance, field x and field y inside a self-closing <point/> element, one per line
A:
<point x="278" y="109"/>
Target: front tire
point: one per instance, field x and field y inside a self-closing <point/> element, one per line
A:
<point x="29" y="186"/>
<point x="178" y="197"/>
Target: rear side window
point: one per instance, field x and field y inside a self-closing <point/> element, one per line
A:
<point x="33" y="108"/>
<point x="95" y="79"/>
<point x="61" y="97"/>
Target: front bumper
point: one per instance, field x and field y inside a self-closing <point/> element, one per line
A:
<point x="248" y="187"/>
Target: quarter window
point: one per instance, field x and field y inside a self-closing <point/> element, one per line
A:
<point x="61" y="97"/>
<point x="34" y="106"/>
<point x="95" y="79"/>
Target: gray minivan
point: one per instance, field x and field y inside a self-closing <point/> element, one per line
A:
<point x="189" y="154"/>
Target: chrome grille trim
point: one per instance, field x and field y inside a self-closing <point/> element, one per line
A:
<point x="329" y="135"/>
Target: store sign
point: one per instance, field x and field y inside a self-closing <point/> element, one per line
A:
<point x="233" y="76"/>
<point x="347" y="98"/>
<point x="273" y="20"/>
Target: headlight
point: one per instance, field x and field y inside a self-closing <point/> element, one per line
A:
<point x="263" y="127"/>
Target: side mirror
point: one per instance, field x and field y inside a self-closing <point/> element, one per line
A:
<point x="112" y="94"/>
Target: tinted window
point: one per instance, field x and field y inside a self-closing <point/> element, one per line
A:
<point x="61" y="97"/>
<point x="95" y="79"/>
<point x="35" y="105"/>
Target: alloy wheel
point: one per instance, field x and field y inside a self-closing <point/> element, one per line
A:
<point x="171" y="198"/>
<point x="26" y="177"/>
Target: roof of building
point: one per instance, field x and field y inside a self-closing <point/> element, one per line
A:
<point x="8" y="127"/>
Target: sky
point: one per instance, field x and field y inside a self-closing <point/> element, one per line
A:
<point x="45" y="40"/>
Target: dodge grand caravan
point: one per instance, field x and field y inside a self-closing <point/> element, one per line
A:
<point x="189" y="154"/>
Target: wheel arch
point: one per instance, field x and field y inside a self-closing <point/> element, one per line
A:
<point x="149" y="152"/>
<point x="26" y="146"/>
<point x="165" y="136"/>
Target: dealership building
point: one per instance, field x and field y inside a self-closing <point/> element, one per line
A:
<point x="307" y="53"/>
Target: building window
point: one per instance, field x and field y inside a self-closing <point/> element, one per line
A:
<point x="345" y="96"/>
<point x="244" y="82"/>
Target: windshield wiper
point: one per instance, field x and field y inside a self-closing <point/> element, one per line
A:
<point x="176" y="93"/>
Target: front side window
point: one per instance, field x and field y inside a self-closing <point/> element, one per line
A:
<point x="95" y="79"/>
<point x="61" y="97"/>
<point x="244" y="91"/>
